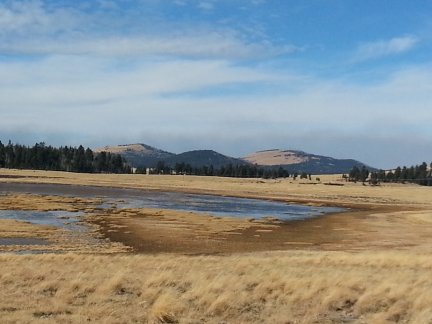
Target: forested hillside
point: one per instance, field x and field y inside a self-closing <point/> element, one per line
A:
<point x="43" y="157"/>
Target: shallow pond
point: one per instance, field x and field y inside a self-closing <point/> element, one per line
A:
<point x="132" y="198"/>
<point x="222" y="206"/>
<point x="62" y="219"/>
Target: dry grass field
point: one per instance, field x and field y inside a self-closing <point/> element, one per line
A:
<point x="276" y="287"/>
<point x="371" y="264"/>
<point x="305" y="191"/>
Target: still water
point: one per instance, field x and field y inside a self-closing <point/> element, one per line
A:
<point x="131" y="198"/>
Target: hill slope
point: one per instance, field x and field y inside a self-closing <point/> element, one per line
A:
<point x="138" y="155"/>
<point x="201" y="158"/>
<point x="299" y="161"/>
<point x="142" y="155"/>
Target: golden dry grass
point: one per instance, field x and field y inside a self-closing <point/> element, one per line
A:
<point x="46" y="203"/>
<point x="13" y="228"/>
<point x="278" y="287"/>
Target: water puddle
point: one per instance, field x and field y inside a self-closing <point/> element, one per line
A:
<point x="61" y="219"/>
<point x="133" y="198"/>
<point x="23" y="241"/>
<point x="222" y="206"/>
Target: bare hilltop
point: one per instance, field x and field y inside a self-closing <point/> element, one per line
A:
<point x="139" y="155"/>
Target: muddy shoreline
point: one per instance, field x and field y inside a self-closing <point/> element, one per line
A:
<point x="346" y="231"/>
<point x="162" y="231"/>
<point x="78" y="190"/>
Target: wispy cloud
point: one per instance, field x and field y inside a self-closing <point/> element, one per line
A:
<point x="206" y="5"/>
<point x="32" y="27"/>
<point x="204" y="45"/>
<point x="21" y="17"/>
<point x="382" y="48"/>
<point x="66" y="81"/>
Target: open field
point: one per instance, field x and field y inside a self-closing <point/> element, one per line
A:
<point x="302" y="191"/>
<point x="388" y="216"/>
<point x="371" y="264"/>
<point x="276" y="287"/>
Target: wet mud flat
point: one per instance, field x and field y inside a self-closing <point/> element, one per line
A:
<point x="153" y="221"/>
<point x="131" y="223"/>
<point x="165" y="232"/>
<point x="34" y="224"/>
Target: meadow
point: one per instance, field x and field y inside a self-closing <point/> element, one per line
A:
<point x="370" y="264"/>
<point x="265" y="287"/>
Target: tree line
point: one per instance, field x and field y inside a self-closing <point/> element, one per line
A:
<point x="229" y="170"/>
<point x="72" y="159"/>
<point x="419" y="174"/>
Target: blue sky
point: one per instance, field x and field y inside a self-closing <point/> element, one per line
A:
<point x="349" y="79"/>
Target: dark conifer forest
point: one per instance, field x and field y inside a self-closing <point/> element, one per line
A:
<point x="229" y="170"/>
<point x="65" y="158"/>
<point x="420" y="174"/>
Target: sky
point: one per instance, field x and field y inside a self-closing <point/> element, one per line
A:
<point x="341" y="78"/>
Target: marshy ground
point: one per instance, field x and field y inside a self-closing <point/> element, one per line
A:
<point x="370" y="264"/>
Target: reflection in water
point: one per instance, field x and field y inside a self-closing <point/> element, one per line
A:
<point x="133" y="198"/>
<point x="223" y="206"/>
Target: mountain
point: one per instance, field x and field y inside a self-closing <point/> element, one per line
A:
<point x="299" y="161"/>
<point x="142" y="155"/>
<point x="201" y="158"/>
<point x="138" y="155"/>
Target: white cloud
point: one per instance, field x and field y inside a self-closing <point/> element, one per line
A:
<point x="382" y="48"/>
<point x="74" y="81"/>
<point x="21" y="17"/>
<point x="82" y="95"/>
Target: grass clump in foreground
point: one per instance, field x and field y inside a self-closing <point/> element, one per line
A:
<point x="277" y="287"/>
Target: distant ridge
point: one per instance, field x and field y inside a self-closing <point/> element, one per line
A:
<point x="299" y="161"/>
<point x="199" y="158"/>
<point x="143" y="155"/>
